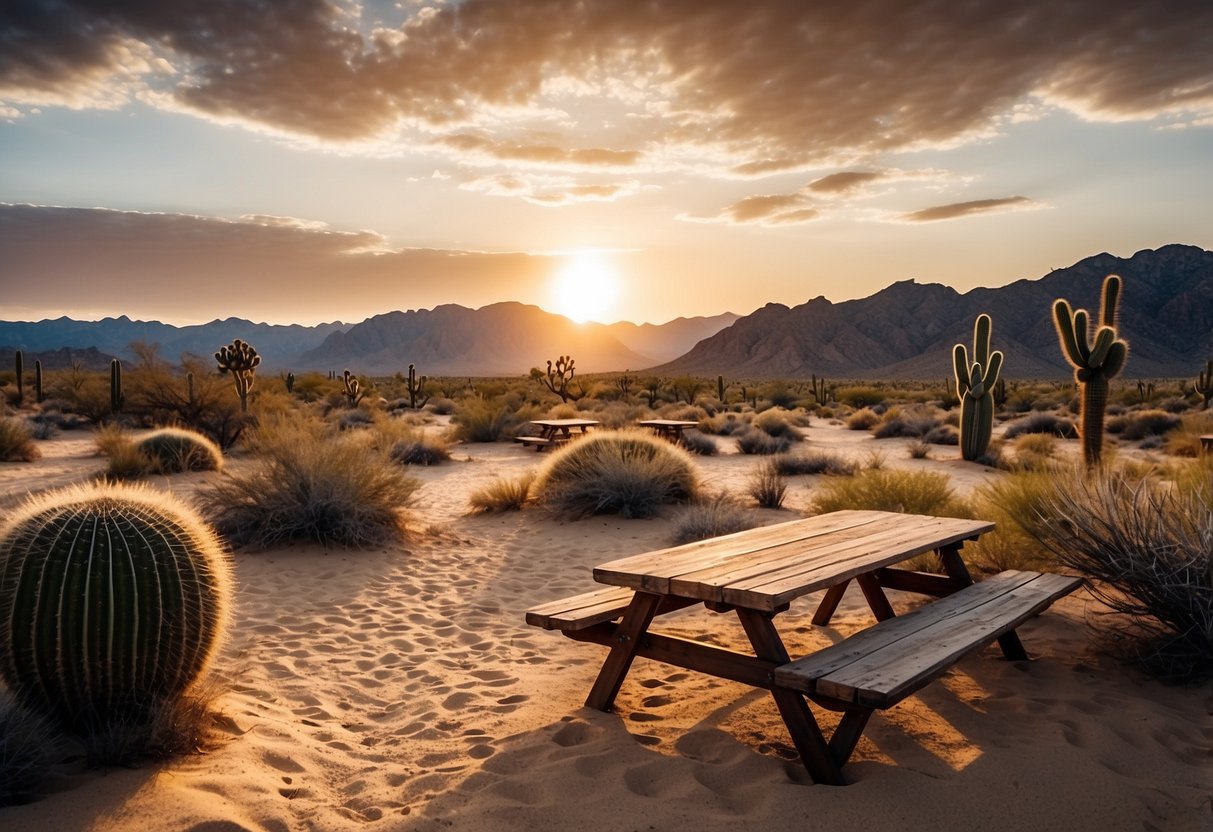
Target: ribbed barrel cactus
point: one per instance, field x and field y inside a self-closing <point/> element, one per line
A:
<point x="1095" y="361"/>
<point x="113" y="599"/>
<point x="975" y="386"/>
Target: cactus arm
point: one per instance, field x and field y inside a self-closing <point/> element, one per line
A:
<point x="981" y="340"/>
<point x="1082" y="325"/>
<point x="1111" y="298"/>
<point x="960" y="365"/>
<point x="1063" y="318"/>
<point x="1115" y="360"/>
<point x="993" y="369"/>
<point x="1103" y="342"/>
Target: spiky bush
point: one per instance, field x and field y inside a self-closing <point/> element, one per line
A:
<point x="860" y="396"/>
<point x="113" y="601"/>
<point x="754" y="441"/>
<point x="17" y="441"/>
<point x="907" y="422"/>
<point x="918" y="449"/>
<point x="813" y="462"/>
<point x="1143" y="423"/>
<point x="767" y="486"/>
<point x="1013" y="503"/>
<point x="1035" y="451"/>
<point x="864" y="419"/>
<point x="778" y="423"/>
<point x="1037" y="422"/>
<point x="616" y="472"/>
<point x="1148" y="551"/>
<point x="699" y="444"/>
<point x="502" y="495"/>
<point x="307" y="485"/>
<point x="26" y="742"/>
<point x="909" y="492"/>
<point x="124" y="458"/>
<point x="408" y="445"/>
<point x="724" y="424"/>
<point x="713" y="517"/>
<point x="484" y="420"/>
<point x="172" y="450"/>
<point x="1185" y="440"/>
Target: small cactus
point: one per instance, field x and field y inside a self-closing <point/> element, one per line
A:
<point x="416" y="388"/>
<point x="821" y="395"/>
<point x="1204" y="384"/>
<point x="720" y="389"/>
<point x="290" y="383"/>
<point x="113" y="598"/>
<point x="18" y="360"/>
<point x="117" y="397"/>
<point x="38" y="397"/>
<point x="975" y="386"/>
<point x="1095" y="360"/>
<point x="351" y="388"/>
<point x="241" y="360"/>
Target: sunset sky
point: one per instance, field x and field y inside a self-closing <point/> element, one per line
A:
<point x="300" y="161"/>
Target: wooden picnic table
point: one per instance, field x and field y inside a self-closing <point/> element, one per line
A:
<point x="555" y="432"/>
<point x="669" y="428"/>
<point x="1206" y="442"/>
<point x="758" y="573"/>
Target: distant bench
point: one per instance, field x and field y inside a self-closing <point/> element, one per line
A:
<point x="756" y="573"/>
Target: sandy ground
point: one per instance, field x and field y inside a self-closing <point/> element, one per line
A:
<point x="402" y="689"/>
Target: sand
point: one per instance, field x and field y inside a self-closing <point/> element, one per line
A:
<point x="401" y="689"/>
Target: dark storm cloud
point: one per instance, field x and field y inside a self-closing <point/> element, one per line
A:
<point x="774" y="85"/>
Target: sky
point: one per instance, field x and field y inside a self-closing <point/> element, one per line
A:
<point x="298" y="161"/>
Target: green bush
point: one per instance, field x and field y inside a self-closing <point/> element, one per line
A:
<point x="616" y="472"/>
<point x="860" y="396"/>
<point x="909" y="492"/>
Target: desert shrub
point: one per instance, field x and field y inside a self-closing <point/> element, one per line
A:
<point x="919" y="449"/>
<point x="1143" y="423"/>
<point x="754" y="441"/>
<point x="43" y="429"/>
<point x="1041" y="423"/>
<point x="485" y="420"/>
<point x="864" y="419"/>
<point x="860" y="396"/>
<point x="1185" y="440"/>
<point x="1013" y="503"/>
<point x="502" y="495"/>
<point x="776" y="423"/>
<point x="17" y="441"/>
<point x="813" y="462"/>
<point x="1034" y="451"/>
<point x="723" y="424"/>
<point x="616" y="472"/>
<point x="910" y="422"/>
<point x="354" y="418"/>
<point x="26" y="744"/>
<point x="699" y="444"/>
<point x="172" y="450"/>
<point x="713" y="517"/>
<point x="944" y="434"/>
<point x="1146" y="549"/>
<point x="909" y="492"/>
<point x="876" y="460"/>
<point x="421" y="450"/>
<point x="125" y="460"/>
<point x="767" y="486"/>
<point x="305" y="485"/>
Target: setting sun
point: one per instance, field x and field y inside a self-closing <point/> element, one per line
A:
<point x="586" y="288"/>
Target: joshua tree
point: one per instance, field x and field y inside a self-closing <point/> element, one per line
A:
<point x="241" y="360"/>
<point x="351" y="388"/>
<point x="624" y="385"/>
<point x="1096" y="361"/>
<point x="1204" y="384"/>
<point x="558" y="378"/>
<point x="975" y="386"/>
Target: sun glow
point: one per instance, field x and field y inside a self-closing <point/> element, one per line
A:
<point x="586" y="288"/>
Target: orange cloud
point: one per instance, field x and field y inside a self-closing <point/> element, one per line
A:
<point x="968" y="209"/>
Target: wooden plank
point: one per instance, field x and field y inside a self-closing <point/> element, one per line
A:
<point x="780" y="586"/>
<point x="626" y="642"/>
<point x="878" y="602"/>
<point x="924" y="583"/>
<point x="580" y="610"/>
<point x="829" y="604"/>
<point x="880" y="666"/>
<point x="655" y="568"/>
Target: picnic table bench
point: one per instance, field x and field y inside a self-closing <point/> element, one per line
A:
<point x="554" y="432"/>
<point x="757" y="573"/>
<point x="670" y="429"/>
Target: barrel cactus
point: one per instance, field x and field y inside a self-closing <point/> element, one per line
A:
<point x="1095" y="361"/>
<point x="975" y="386"/>
<point x="113" y="600"/>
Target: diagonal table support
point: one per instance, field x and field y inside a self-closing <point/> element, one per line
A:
<point x="635" y="623"/>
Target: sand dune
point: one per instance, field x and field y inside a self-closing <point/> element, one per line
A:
<point x="401" y="689"/>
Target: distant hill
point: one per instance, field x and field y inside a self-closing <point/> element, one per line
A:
<point x="665" y="342"/>
<point x="499" y="339"/>
<point x="63" y="358"/>
<point x="277" y="344"/>
<point x="907" y="329"/>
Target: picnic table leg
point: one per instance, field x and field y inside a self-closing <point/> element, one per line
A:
<point x="954" y="565"/>
<point x="833" y="597"/>
<point x="632" y="627"/>
<point x="805" y="732"/>
<point x="874" y="594"/>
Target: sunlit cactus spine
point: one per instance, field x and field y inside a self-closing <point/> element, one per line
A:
<point x="975" y="382"/>
<point x="117" y="397"/>
<point x="18" y="360"/>
<point x="1204" y="384"/>
<point x="241" y="360"/>
<point x="416" y="388"/>
<point x="1095" y="360"/>
<point x="113" y="601"/>
<point x="38" y="396"/>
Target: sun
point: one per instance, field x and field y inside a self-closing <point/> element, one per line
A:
<point x="586" y="288"/>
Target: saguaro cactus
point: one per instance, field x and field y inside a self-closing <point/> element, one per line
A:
<point x="1204" y="384"/>
<point x="38" y="397"/>
<point x="117" y="397"/>
<point x="113" y="598"/>
<point x="1095" y="361"/>
<point x="975" y="386"/>
<point x="18" y="360"/>
<point x="241" y="360"/>
<point x="820" y="394"/>
<point x="415" y="388"/>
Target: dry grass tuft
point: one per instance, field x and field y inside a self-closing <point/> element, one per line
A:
<point x="767" y="486"/>
<point x="909" y="492"/>
<point x="172" y="450"/>
<point x="714" y="517"/>
<point x="17" y="441"/>
<point x="502" y="495"/>
<point x="813" y="462"/>
<point x="27" y="742"/>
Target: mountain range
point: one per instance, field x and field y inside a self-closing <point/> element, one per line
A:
<point x="904" y="331"/>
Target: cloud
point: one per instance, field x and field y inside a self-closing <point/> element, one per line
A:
<point x="847" y="181"/>
<point x="784" y="86"/>
<point x="767" y="209"/>
<point x="968" y="209"/>
<point x="549" y="190"/>
<point x="144" y="265"/>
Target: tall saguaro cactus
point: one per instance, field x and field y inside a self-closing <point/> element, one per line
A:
<point x="117" y="397"/>
<point x="18" y="363"/>
<point x="241" y="360"/>
<point x="113" y="598"/>
<point x="975" y="382"/>
<point x="416" y="388"/>
<point x="1204" y="384"/>
<point x="1095" y="360"/>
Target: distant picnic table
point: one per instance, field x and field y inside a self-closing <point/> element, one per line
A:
<point x="668" y="428"/>
<point x="758" y="573"/>
<point x="554" y="432"/>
